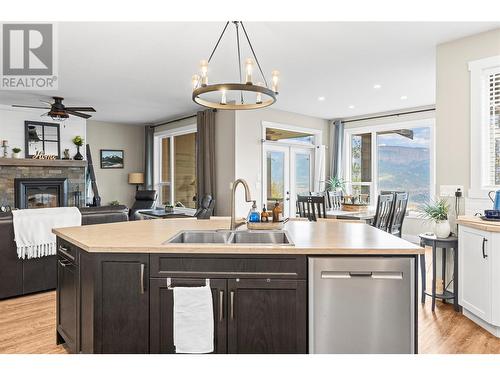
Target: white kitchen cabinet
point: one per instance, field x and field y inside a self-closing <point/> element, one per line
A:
<point x="479" y="276"/>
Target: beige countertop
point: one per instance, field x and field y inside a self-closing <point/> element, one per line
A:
<point x="326" y="236"/>
<point x="478" y="223"/>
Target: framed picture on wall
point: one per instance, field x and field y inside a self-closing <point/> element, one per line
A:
<point x="112" y="159"/>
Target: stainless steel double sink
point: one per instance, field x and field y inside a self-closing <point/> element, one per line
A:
<point x="264" y="237"/>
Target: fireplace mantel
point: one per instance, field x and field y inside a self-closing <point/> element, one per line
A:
<point x="42" y="163"/>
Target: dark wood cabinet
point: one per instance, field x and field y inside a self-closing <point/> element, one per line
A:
<point x="68" y="304"/>
<point x="123" y="304"/>
<point x="267" y="316"/>
<point x="161" y="313"/>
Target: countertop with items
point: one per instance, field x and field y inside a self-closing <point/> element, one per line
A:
<point x="324" y="237"/>
<point x="478" y="223"/>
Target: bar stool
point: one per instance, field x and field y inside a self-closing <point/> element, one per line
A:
<point x="450" y="243"/>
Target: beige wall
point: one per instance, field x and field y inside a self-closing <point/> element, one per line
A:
<point x="113" y="183"/>
<point x="224" y="160"/>
<point x="453" y="104"/>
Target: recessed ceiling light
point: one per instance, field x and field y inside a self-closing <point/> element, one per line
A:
<point x="377" y="86"/>
<point x="404" y="97"/>
<point x="321" y="98"/>
<point x="351" y="106"/>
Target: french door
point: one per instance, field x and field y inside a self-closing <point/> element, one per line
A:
<point x="287" y="172"/>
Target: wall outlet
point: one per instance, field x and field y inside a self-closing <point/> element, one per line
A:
<point x="449" y="190"/>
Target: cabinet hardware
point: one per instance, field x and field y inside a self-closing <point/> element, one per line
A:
<point x="142" y="278"/>
<point x="221" y="305"/>
<point x="65" y="251"/>
<point x="232" y="305"/>
<point x="484" y="251"/>
<point x="64" y="263"/>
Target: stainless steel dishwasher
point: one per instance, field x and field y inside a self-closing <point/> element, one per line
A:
<point x="361" y="305"/>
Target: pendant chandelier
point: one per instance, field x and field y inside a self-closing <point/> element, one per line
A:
<point x="249" y="95"/>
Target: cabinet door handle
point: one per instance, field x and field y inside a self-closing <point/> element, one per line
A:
<point x="63" y="264"/>
<point x="65" y="251"/>
<point x="142" y="278"/>
<point x="484" y="250"/>
<point x="232" y="305"/>
<point x="221" y="305"/>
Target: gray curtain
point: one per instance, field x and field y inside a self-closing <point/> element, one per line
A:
<point x="149" y="157"/>
<point x="336" y="147"/>
<point x="205" y="154"/>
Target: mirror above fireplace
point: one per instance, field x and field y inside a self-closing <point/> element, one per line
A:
<point x="42" y="137"/>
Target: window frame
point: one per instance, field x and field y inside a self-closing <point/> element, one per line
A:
<point x="479" y="126"/>
<point x="158" y="137"/>
<point x="373" y="130"/>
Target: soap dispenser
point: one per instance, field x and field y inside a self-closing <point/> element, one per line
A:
<point x="253" y="215"/>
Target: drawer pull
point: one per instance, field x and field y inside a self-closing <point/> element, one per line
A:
<point x="142" y="278"/>
<point x="221" y="305"/>
<point x="232" y="305"/>
<point x="484" y="248"/>
<point x="65" y="252"/>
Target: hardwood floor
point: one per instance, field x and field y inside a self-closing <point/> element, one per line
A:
<point x="27" y="325"/>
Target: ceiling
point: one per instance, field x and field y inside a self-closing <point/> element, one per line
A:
<point x="139" y="73"/>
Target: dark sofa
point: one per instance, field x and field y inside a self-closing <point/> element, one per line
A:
<point x="18" y="276"/>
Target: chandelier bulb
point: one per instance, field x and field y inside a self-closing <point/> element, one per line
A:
<point x="196" y="81"/>
<point x="258" y="98"/>
<point x="275" y="79"/>
<point x="248" y="71"/>
<point x="204" y="72"/>
<point x="223" y="99"/>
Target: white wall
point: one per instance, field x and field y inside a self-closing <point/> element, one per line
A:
<point x="113" y="183"/>
<point x="248" y="146"/>
<point x="12" y="128"/>
<point x="453" y="108"/>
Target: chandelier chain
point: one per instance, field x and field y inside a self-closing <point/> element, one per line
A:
<point x="218" y="41"/>
<point x="254" y="55"/>
<point x="239" y="55"/>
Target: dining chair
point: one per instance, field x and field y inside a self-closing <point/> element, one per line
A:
<point x="383" y="212"/>
<point x="398" y="213"/>
<point x="334" y="199"/>
<point x="311" y="206"/>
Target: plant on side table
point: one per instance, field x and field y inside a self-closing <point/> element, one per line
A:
<point x="438" y="213"/>
<point x="78" y="142"/>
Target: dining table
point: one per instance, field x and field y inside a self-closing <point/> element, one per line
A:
<point x="365" y="215"/>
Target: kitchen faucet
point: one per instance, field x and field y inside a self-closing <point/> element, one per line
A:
<point x="248" y="198"/>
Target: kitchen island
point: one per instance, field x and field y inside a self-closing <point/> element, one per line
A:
<point x="115" y="283"/>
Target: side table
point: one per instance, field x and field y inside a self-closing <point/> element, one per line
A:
<point x="446" y="244"/>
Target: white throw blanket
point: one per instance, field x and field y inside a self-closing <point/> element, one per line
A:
<point x="33" y="229"/>
<point x="193" y="320"/>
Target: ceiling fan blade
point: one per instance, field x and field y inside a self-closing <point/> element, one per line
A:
<point x="83" y="109"/>
<point x="82" y="115"/>
<point x="28" y="106"/>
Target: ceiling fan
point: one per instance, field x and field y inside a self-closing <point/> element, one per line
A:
<point x="59" y="112"/>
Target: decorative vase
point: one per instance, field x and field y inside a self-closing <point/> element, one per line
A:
<point x="16" y="155"/>
<point x="442" y="228"/>
<point x="78" y="156"/>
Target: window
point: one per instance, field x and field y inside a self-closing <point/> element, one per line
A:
<point x="485" y="126"/>
<point x="176" y="163"/>
<point x="397" y="157"/>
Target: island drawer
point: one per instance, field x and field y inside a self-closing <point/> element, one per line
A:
<point x="67" y="250"/>
<point x="218" y="265"/>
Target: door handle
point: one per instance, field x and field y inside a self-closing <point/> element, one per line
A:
<point x="64" y="263"/>
<point x="221" y="305"/>
<point x="142" y="279"/>
<point x="232" y="305"/>
<point x="483" y="248"/>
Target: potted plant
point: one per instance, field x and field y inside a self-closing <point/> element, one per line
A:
<point x="336" y="184"/>
<point x="78" y="142"/>
<point x="438" y="212"/>
<point x="16" y="152"/>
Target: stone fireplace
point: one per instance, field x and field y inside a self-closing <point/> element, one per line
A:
<point x="40" y="192"/>
<point x="42" y="183"/>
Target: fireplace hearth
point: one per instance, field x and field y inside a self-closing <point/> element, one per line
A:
<point x="40" y="192"/>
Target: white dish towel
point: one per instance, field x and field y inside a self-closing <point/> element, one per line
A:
<point x="193" y="320"/>
<point x="33" y="229"/>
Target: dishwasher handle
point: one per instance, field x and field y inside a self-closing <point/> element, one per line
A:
<point x="389" y="275"/>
